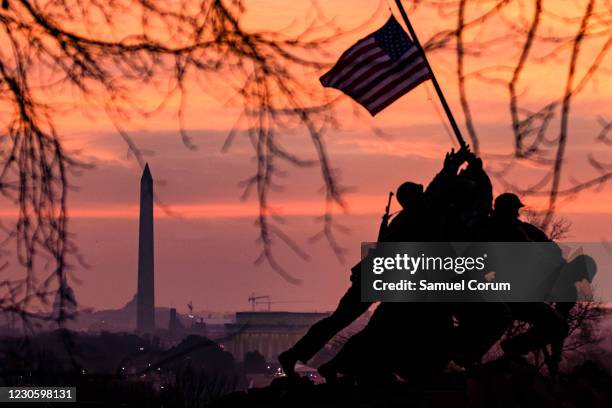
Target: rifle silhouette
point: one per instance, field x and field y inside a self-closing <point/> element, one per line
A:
<point x="384" y="223"/>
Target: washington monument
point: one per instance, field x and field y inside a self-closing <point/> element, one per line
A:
<point x="145" y="319"/>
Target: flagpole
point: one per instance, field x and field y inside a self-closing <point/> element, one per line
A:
<point x="436" y="85"/>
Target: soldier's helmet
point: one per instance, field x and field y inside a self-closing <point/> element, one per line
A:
<point x="585" y="266"/>
<point x="507" y="202"/>
<point x="408" y="193"/>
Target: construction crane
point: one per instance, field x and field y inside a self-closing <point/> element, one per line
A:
<point x="254" y="300"/>
<point x="190" y="306"/>
<point x="257" y="300"/>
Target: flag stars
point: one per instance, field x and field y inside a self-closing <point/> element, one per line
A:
<point x="393" y="39"/>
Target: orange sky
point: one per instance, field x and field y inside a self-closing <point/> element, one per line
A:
<point x="202" y="186"/>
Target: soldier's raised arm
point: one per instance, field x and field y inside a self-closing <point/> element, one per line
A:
<point x="452" y="161"/>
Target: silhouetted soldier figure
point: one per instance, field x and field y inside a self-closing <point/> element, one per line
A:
<point x="546" y="325"/>
<point x="406" y="338"/>
<point x="401" y="337"/>
<point x="410" y="224"/>
<point x="576" y="274"/>
<point x="410" y="196"/>
<point x="469" y="198"/>
<point x="470" y="206"/>
<point x="505" y="225"/>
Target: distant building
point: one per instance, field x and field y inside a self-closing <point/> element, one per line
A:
<point x="145" y="311"/>
<point x="270" y="333"/>
<point x="174" y="323"/>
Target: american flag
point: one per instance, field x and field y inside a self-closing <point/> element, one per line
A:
<point x="379" y="68"/>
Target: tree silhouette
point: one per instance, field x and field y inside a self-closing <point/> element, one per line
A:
<point x="85" y="49"/>
<point x="540" y="34"/>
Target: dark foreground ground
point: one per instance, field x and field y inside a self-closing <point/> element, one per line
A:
<point x="124" y="370"/>
<point x="493" y="385"/>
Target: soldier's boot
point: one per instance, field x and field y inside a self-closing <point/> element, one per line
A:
<point x="329" y="372"/>
<point x="288" y="361"/>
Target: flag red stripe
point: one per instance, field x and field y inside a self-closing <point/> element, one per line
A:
<point x="350" y="57"/>
<point x="365" y="70"/>
<point x="381" y="77"/>
<point x="407" y="87"/>
<point x="362" y="60"/>
<point x="408" y="82"/>
<point x="389" y="87"/>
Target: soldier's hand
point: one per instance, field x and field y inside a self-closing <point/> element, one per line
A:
<point x="454" y="160"/>
<point x="475" y="162"/>
<point x="449" y="159"/>
<point x="464" y="154"/>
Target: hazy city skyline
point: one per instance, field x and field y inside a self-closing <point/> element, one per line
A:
<point x="205" y="249"/>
